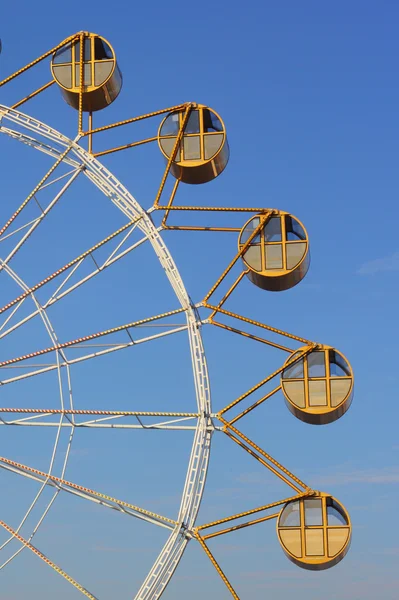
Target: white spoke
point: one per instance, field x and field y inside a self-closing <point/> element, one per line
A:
<point x="87" y="338"/>
<point x="35" y="224"/>
<point x="54" y="341"/>
<point x="14" y="231"/>
<point x="57" y="179"/>
<point x="39" y="416"/>
<point x="70" y="362"/>
<point x="47" y="561"/>
<point x="87" y="493"/>
<point x="160" y="426"/>
<point x="57" y="295"/>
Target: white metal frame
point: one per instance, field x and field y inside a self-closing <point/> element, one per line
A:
<point x="47" y="140"/>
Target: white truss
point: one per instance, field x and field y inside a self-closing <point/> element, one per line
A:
<point x="45" y="139"/>
<point x="61" y="384"/>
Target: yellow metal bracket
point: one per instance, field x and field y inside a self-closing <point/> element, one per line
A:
<point x="188" y="109"/>
<point x="202" y="538"/>
<point x="249" y="446"/>
<point x="37" y="60"/>
<point x="246" y="513"/>
<point x="32" y="64"/>
<point x="241" y="526"/>
<point x="134" y="119"/>
<point x="263" y="326"/>
<point x="262" y="221"/>
<point x="124" y="147"/>
<point x="171" y="199"/>
<point x="229" y="292"/>
<point x="238" y="209"/>
<point x="193" y="228"/>
<point x="91" y="131"/>
<point x="255" y="405"/>
<point x="219" y="209"/>
<point x="300" y="355"/>
<point x="216" y="565"/>
<point x="246" y="334"/>
<point x="33" y="94"/>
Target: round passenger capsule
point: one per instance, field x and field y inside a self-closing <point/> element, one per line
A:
<point x="102" y="79"/>
<point x="318" y="387"/>
<point x="203" y="151"/>
<point x="314" y="532"/>
<point x="278" y="257"/>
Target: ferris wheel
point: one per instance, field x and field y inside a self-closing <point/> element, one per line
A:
<point x="272" y="252"/>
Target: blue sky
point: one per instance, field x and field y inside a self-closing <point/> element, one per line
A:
<point x="309" y="95"/>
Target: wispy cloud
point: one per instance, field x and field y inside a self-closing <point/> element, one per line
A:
<point x="379" y="265"/>
<point x="283" y="575"/>
<point x="388" y="552"/>
<point x="362" y="476"/>
<point x="121" y="550"/>
<point x="338" y="475"/>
